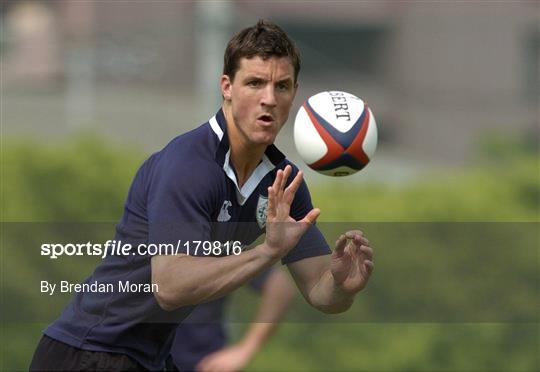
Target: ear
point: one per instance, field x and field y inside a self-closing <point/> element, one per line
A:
<point x="226" y="86"/>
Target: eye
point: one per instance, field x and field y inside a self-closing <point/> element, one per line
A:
<point x="283" y="86"/>
<point x="256" y="83"/>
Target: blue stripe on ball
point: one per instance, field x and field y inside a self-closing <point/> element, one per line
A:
<point x="343" y="160"/>
<point x="344" y="139"/>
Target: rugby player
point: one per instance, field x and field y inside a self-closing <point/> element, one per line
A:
<point x="223" y="181"/>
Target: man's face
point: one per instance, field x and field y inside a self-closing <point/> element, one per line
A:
<point x="259" y="98"/>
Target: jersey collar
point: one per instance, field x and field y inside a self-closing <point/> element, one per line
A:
<point x="271" y="158"/>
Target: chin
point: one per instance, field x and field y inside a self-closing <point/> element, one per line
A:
<point x="264" y="140"/>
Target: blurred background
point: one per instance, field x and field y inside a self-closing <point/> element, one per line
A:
<point x="90" y="88"/>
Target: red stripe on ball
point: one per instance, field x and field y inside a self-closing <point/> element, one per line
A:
<point x="334" y="148"/>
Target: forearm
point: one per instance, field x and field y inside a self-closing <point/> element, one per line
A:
<point x="327" y="297"/>
<point x="329" y="283"/>
<point x="255" y="337"/>
<point x="277" y="294"/>
<point x="187" y="280"/>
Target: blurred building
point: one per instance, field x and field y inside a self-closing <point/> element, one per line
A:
<point x="438" y="75"/>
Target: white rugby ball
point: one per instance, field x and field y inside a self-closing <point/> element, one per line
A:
<point x="335" y="133"/>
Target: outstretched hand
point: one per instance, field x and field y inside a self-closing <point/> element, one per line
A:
<point x="282" y="231"/>
<point x="352" y="262"/>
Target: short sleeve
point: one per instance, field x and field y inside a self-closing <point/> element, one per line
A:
<point x="179" y="207"/>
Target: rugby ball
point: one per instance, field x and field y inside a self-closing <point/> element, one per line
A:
<point x="335" y="133"/>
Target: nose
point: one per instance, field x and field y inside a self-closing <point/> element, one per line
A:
<point x="269" y="96"/>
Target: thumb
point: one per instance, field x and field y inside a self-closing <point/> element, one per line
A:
<point x="309" y="219"/>
<point x="339" y="249"/>
<point x="312" y="216"/>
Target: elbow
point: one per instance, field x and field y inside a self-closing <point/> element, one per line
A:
<point x="170" y="300"/>
<point x="332" y="309"/>
<point x="168" y="293"/>
<point x="165" y="300"/>
<point x="335" y="308"/>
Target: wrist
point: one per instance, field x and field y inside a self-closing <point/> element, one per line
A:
<point x="268" y="253"/>
<point x="332" y="297"/>
<point x="338" y="291"/>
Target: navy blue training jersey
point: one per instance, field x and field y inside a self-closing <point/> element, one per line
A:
<point x="185" y="193"/>
<point x="203" y="331"/>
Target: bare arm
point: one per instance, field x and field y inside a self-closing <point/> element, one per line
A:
<point x="330" y="283"/>
<point x="277" y="294"/>
<point x="278" y="291"/>
<point x="185" y="280"/>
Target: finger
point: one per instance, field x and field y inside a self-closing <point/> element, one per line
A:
<point x="277" y="180"/>
<point x="341" y="242"/>
<point x="271" y="213"/>
<point x="286" y="173"/>
<point x="312" y="216"/>
<point x="366" y="251"/>
<point x="280" y="180"/>
<point x="342" y="267"/>
<point x="368" y="266"/>
<point x="290" y="191"/>
<point x="360" y="240"/>
<point x="357" y="238"/>
<point x="355" y="255"/>
<point x="353" y="233"/>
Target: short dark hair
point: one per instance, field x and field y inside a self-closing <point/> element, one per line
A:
<point x="265" y="40"/>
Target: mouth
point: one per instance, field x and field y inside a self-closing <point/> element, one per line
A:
<point x="265" y="119"/>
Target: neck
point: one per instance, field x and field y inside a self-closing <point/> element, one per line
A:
<point x="244" y="156"/>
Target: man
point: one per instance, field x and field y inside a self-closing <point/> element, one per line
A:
<point x="220" y="183"/>
<point x="200" y="341"/>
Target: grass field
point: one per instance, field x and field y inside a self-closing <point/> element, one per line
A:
<point x="456" y="282"/>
